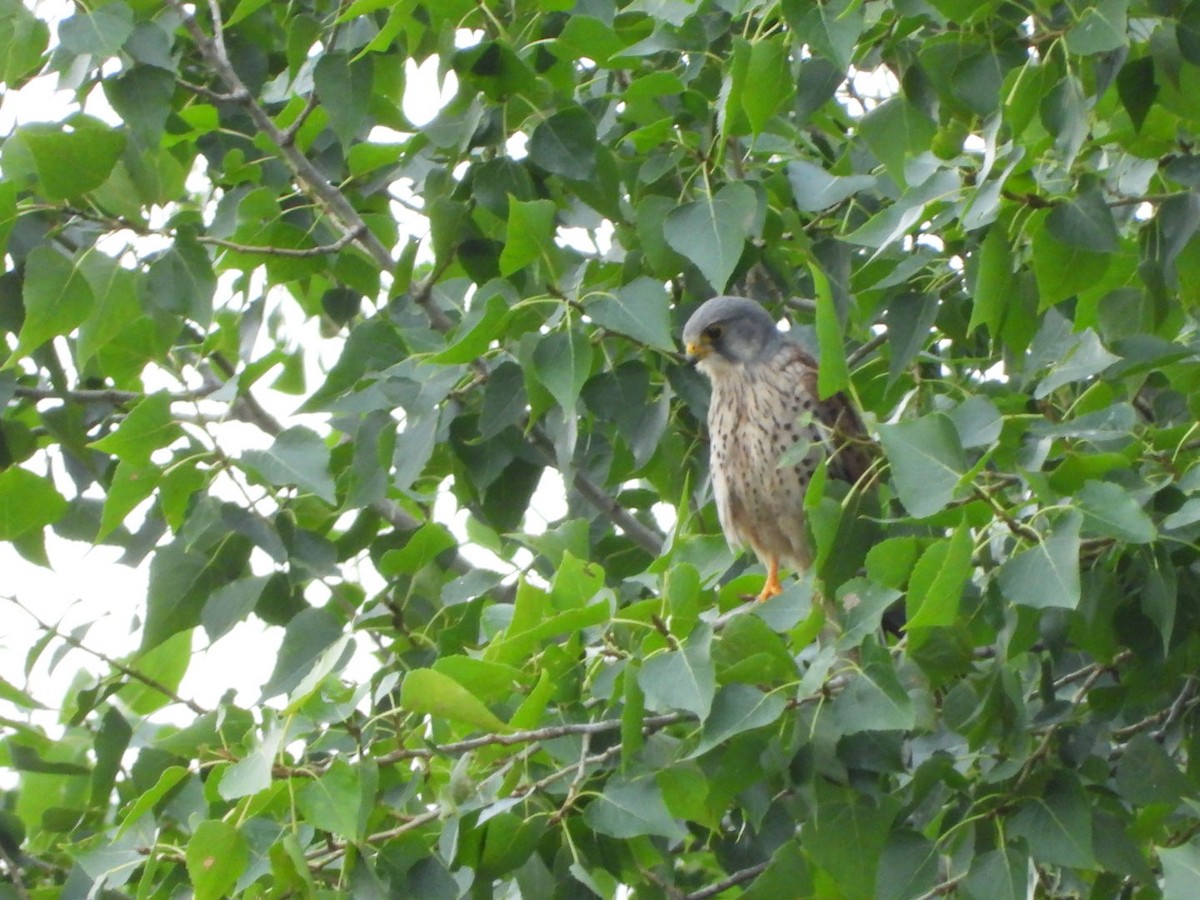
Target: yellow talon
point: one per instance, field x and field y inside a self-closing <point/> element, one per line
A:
<point x="772" y="588"/>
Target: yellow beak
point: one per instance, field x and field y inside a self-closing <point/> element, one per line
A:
<point x="695" y="351"/>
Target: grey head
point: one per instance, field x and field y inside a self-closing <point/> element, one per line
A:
<point x="730" y="331"/>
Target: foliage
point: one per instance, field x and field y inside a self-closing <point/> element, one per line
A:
<point x="991" y="209"/>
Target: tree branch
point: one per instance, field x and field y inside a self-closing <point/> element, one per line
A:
<point x="349" y="237"/>
<point x="643" y="535"/>
<point x="212" y="49"/>
<point x="649" y="724"/>
<point x="107" y="395"/>
<point x="109" y="661"/>
<point x="739" y="877"/>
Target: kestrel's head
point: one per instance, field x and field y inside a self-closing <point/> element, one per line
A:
<point x="730" y="331"/>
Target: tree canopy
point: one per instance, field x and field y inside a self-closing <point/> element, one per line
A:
<point x="980" y="215"/>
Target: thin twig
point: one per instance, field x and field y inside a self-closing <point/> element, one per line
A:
<point x="340" y="210"/>
<point x="14" y="874"/>
<point x="550" y="732"/>
<point x="866" y="349"/>
<point x="323" y="856"/>
<point x="1164" y="718"/>
<point x="108" y="395"/>
<point x="643" y="535"/>
<point x="109" y="661"/>
<point x="739" y="877"/>
<point x="349" y="237"/>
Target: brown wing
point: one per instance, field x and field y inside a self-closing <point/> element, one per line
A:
<point x="849" y="444"/>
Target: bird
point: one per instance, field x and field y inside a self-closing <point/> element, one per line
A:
<point x="765" y="402"/>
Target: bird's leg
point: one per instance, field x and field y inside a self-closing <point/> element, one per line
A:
<point x="772" y="588"/>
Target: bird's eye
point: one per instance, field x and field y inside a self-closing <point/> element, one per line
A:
<point x="713" y="332"/>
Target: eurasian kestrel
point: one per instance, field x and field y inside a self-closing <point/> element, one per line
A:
<point x="764" y="402"/>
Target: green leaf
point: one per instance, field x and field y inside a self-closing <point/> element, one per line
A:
<point x="148" y="427"/>
<point x="576" y="583"/>
<point x="831" y="28"/>
<point x="231" y="604"/>
<point x="428" y="692"/>
<point x="1085" y="222"/>
<point x="181" y="580"/>
<point x="10" y="693"/>
<point x="937" y="581"/>
<point x="422" y="548"/>
<point x="27" y="503"/>
<point x="1159" y="592"/>
<point x="815" y="190"/>
<point x="475" y="335"/>
<point x="331" y="802"/>
<point x="682" y="679"/>
<point x="711" y="232"/>
<point x="115" y="307"/>
<point x="298" y="458"/>
<point x="927" y="461"/>
<point x="1187" y="32"/>
<point x="1187" y="514"/>
<point x="164" y="666"/>
<point x="489" y="681"/>
<point x="888" y="226"/>
<point x="874" y="700"/>
<point x="909" y="319"/>
<point x="8" y="203"/>
<point x="101" y="32"/>
<point x="146" y="801"/>
<point x="896" y="130"/>
<point x="565" y="144"/>
<point x="23" y="40"/>
<point x="504" y="400"/>
<point x="652" y="214"/>
<point x="908" y="867"/>
<point x="530" y="235"/>
<point x="631" y="808"/>
<point x="142" y="98"/>
<point x="217" y="854"/>
<point x="1181" y="870"/>
<point x="999" y="874"/>
<point x="1101" y="28"/>
<point x="1110" y="510"/>
<point x="846" y="836"/>
<point x="978" y="421"/>
<point x="71" y="163"/>
<point x="57" y="299"/>
<point x="1146" y="774"/>
<point x="252" y="773"/>
<point x="1083" y="357"/>
<point x="244" y="9"/>
<point x="993" y="282"/>
<point x="344" y="86"/>
<point x="833" y="374"/>
<point x="307" y="639"/>
<point x="640" y="310"/>
<point x="737" y="708"/>
<point x="890" y="561"/>
<point x="769" y="84"/>
<point x="1137" y="89"/>
<point x="1047" y="574"/>
<point x="562" y="361"/>
<point x="1057" y="824"/>
<point x="1063" y="270"/>
<point x="182" y="282"/>
<point x="112" y="740"/>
